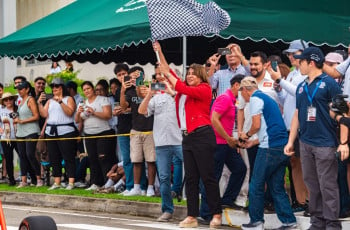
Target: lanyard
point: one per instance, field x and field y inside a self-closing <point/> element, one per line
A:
<point x="313" y="93"/>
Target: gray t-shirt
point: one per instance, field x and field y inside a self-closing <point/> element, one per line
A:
<point x="166" y="130"/>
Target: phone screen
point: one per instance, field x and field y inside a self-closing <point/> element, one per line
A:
<point x="224" y="51"/>
<point x="157" y="86"/>
<point x="274" y="65"/>
<point x="127" y="78"/>
<point x="139" y="81"/>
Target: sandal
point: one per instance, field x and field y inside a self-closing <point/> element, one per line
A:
<point x="215" y="222"/>
<point x="189" y="222"/>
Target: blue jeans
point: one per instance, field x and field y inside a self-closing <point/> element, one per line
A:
<point x="164" y="157"/>
<point x="124" y="145"/>
<point x="270" y="166"/>
<point x="234" y="162"/>
<point x="178" y="173"/>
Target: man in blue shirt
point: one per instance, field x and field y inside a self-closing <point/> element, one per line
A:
<point x="317" y="134"/>
<point x="270" y="161"/>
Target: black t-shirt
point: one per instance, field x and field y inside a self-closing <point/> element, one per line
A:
<point x="139" y="121"/>
<point x="41" y="119"/>
<point x="124" y="120"/>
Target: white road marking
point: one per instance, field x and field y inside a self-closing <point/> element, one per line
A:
<point x="89" y="227"/>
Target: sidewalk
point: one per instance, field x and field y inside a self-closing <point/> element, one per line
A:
<point x="230" y="217"/>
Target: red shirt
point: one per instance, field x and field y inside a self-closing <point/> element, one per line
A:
<point x="197" y="105"/>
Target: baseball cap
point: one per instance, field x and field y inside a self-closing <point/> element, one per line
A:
<point x="56" y="81"/>
<point x="72" y="84"/>
<point x="22" y="85"/>
<point x="312" y="53"/>
<point x="334" y="57"/>
<point x="248" y="82"/>
<point x="296" y="45"/>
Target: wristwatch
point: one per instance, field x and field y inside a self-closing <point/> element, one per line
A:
<point x="278" y="80"/>
<point x="60" y="102"/>
<point x="247" y="134"/>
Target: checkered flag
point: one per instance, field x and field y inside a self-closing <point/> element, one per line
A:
<point x="177" y="18"/>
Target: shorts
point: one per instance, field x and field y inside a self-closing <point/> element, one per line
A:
<point x="141" y="147"/>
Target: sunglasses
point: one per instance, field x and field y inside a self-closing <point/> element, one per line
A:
<point x="7" y="99"/>
<point x="55" y="85"/>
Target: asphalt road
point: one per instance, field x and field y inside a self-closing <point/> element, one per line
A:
<point x="68" y="220"/>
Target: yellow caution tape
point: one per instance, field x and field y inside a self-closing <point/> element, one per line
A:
<point x="73" y="138"/>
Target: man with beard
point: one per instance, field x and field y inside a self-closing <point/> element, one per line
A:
<point x="236" y="62"/>
<point x="258" y="63"/>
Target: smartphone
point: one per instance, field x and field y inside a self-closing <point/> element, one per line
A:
<point x="127" y="78"/>
<point x="274" y="65"/>
<point x="157" y="86"/>
<point x="49" y="96"/>
<point x="139" y="80"/>
<point x="224" y="51"/>
<point x="116" y="104"/>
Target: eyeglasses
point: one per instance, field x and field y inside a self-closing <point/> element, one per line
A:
<point x="55" y="86"/>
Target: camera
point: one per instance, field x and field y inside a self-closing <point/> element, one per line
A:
<point x="339" y="104"/>
<point x="13" y="115"/>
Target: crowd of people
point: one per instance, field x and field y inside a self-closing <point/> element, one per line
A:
<point x="246" y="121"/>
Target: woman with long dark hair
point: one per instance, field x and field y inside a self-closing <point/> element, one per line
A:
<point x="95" y="114"/>
<point x="59" y="112"/>
<point x="193" y="101"/>
<point x="28" y="128"/>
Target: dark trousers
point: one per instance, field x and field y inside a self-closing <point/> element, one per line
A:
<point x="224" y="154"/>
<point x="8" y="152"/>
<point x="101" y="154"/>
<point x="320" y="171"/>
<point x="198" y="152"/>
<point x="28" y="162"/>
<point x="62" y="150"/>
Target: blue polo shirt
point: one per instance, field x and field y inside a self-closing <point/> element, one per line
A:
<point x="322" y="131"/>
<point x="273" y="131"/>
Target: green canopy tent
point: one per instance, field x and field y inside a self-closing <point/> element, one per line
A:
<point x="118" y="30"/>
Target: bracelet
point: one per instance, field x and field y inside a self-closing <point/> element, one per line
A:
<point x="344" y="143"/>
<point x="278" y="80"/>
<point x="247" y="134"/>
<point x="60" y="102"/>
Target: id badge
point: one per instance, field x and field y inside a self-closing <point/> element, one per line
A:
<point x="311" y="113"/>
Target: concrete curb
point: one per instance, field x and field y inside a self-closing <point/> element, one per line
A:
<point x="89" y="204"/>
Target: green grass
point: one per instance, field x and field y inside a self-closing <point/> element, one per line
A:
<point x="84" y="193"/>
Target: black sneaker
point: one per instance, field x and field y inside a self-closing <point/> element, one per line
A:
<point x="256" y="226"/>
<point x="233" y="206"/>
<point x="297" y="207"/>
<point x="269" y="208"/>
<point x="203" y="221"/>
<point x="291" y="226"/>
<point x="306" y="212"/>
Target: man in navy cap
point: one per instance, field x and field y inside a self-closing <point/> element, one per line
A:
<point x="318" y="141"/>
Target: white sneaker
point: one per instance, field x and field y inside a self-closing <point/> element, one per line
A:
<point x="93" y="187"/>
<point x="150" y="192"/>
<point x="54" y="186"/>
<point x="143" y="192"/>
<point x="70" y="186"/>
<point x="125" y="192"/>
<point x="134" y="192"/>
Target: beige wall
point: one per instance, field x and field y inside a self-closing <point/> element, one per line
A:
<point x="29" y="11"/>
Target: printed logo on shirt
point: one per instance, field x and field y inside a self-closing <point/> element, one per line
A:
<point x="267" y="84"/>
<point x="322" y="85"/>
<point x="136" y="100"/>
<point x="301" y="90"/>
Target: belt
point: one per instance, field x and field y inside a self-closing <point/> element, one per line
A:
<point x="197" y="130"/>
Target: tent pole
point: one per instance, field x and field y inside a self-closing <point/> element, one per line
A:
<point x="184" y="56"/>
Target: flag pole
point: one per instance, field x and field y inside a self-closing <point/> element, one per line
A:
<point x="184" y="56"/>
